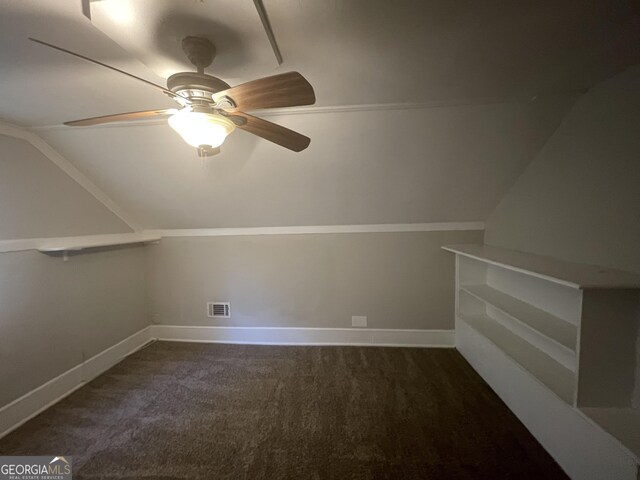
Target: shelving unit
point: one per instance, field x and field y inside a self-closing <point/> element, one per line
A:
<point x="571" y="274"/>
<point x="65" y="246"/>
<point x="537" y="319"/>
<point x="570" y="328"/>
<point x="544" y="368"/>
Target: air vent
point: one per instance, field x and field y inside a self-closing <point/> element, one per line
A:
<point x="218" y="310"/>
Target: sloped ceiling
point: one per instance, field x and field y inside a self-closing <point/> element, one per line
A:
<point x="391" y="166"/>
<point x="37" y="199"/>
<point x="458" y="96"/>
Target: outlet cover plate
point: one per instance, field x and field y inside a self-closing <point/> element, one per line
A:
<point x="359" y="321"/>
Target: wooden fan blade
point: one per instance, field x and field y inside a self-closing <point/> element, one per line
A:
<point x="121" y="117"/>
<point x="284" y="90"/>
<point x="273" y="132"/>
<point x="168" y="92"/>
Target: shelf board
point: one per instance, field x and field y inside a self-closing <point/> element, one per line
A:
<point x="548" y="371"/>
<point x="622" y="423"/>
<point x="570" y="274"/>
<point x="75" y="244"/>
<point x="549" y="325"/>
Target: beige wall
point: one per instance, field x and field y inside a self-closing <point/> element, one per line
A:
<point x="398" y="280"/>
<point x="55" y="314"/>
<point x="580" y="198"/>
<point x="37" y="199"/>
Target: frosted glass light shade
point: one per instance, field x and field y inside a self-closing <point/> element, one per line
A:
<point x="201" y="129"/>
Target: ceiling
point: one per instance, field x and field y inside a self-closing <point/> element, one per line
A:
<point x="458" y="96"/>
<point x="363" y="167"/>
<point x="353" y="52"/>
<point x="52" y="204"/>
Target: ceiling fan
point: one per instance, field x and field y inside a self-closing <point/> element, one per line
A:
<point x="210" y="108"/>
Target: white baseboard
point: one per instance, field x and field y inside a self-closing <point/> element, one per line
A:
<point x="305" y="336"/>
<point x="31" y="404"/>
<point x="584" y="451"/>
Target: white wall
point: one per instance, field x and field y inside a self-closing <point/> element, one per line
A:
<point x="37" y="199"/>
<point x="580" y="198"/>
<point x="398" y="280"/>
<point x="55" y="314"/>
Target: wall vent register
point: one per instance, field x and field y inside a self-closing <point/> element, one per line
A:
<point x="218" y="310"/>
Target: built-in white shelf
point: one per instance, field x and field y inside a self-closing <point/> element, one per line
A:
<point x="574" y="275"/>
<point x="551" y="373"/>
<point x="570" y="329"/>
<point x="76" y="244"/>
<point x="622" y="423"/>
<point x="543" y="322"/>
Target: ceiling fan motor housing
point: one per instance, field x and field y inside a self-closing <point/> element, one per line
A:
<point x="200" y="51"/>
<point x="195" y="85"/>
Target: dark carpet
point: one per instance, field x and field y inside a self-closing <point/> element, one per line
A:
<point x="207" y="411"/>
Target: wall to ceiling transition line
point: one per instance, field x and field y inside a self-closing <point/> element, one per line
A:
<point x="579" y="199"/>
<point x="44" y="195"/>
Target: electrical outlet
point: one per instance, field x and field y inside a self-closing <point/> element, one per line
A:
<point x="358" y="321"/>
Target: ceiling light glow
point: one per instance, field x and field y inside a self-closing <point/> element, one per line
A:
<point x="201" y="129"/>
<point x="120" y="11"/>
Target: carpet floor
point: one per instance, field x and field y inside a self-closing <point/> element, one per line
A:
<point x="210" y="411"/>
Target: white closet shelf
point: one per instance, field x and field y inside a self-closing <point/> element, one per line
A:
<point x="622" y="423"/>
<point x="570" y="274"/>
<point x="549" y="325"/>
<point x="548" y="371"/>
<point x="75" y="244"/>
<point x="571" y="328"/>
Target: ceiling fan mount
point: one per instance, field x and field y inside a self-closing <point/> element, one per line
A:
<point x="210" y="108"/>
<point x="197" y="85"/>
<point x="200" y="51"/>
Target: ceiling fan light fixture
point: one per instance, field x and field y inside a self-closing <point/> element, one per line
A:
<point x="211" y="109"/>
<point x="201" y="129"/>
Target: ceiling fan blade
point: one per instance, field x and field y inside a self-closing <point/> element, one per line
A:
<point x="284" y="90"/>
<point x="121" y="117"/>
<point x="164" y="90"/>
<point x="273" y="132"/>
